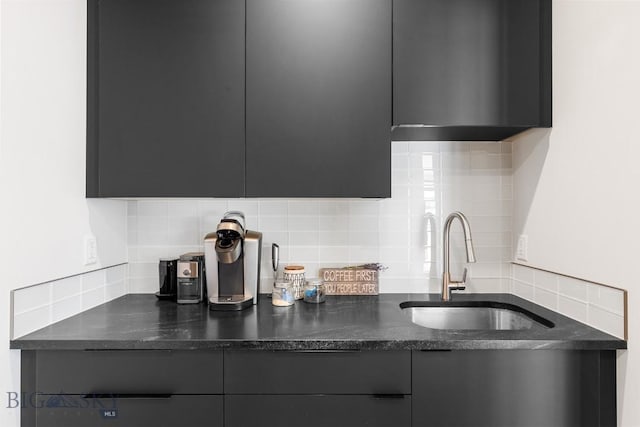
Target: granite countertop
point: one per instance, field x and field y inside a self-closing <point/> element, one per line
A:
<point x="341" y="323"/>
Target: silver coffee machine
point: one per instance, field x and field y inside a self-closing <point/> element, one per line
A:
<point x="232" y="259"/>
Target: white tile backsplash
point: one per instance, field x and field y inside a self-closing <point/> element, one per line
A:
<point x="115" y="290"/>
<point x="143" y="285"/>
<point x="37" y="306"/>
<point x="273" y="223"/>
<point x="117" y="273"/>
<point x="182" y="208"/>
<point x="151" y="208"/>
<point x="487" y="285"/>
<point x="66" y="307"/>
<point x="608" y="299"/>
<point x="523" y="290"/>
<point x="573" y="288"/>
<point x="524" y="274"/>
<point x="274" y="208"/>
<point x="547" y="281"/>
<point x="600" y="306"/>
<point x="573" y="308"/>
<point x="303" y="238"/>
<point x="67" y="288"/>
<point x="32" y="320"/>
<point x="546" y="298"/>
<point x="327" y="239"/>
<point x="143" y="269"/>
<point x="606" y="321"/>
<point x="305" y="254"/>
<point x="249" y="207"/>
<point x="305" y="223"/>
<point x="93" y="280"/>
<point x="302" y="207"/>
<point x="427" y="178"/>
<point x="93" y="298"/>
<point x="31" y="298"/>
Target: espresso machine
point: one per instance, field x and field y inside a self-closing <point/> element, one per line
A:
<point x="232" y="259"/>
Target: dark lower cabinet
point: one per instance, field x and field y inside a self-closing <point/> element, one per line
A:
<point x="317" y="411"/>
<point x="318" y="98"/>
<point x="514" y="388"/>
<point x="466" y="388"/>
<point x="123" y="388"/>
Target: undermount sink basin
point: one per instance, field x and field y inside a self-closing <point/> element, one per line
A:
<point x="472" y="315"/>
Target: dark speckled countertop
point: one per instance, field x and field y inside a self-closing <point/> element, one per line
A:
<point x="366" y="322"/>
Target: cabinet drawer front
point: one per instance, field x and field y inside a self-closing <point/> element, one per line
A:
<point x="178" y="411"/>
<point x="508" y="388"/>
<point x="317" y="411"/>
<point x="129" y="372"/>
<point x="281" y="372"/>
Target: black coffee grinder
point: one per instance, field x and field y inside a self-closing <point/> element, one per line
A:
<point x="192" y="283"/>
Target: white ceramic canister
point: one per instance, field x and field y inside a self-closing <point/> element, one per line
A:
<point x="295" y="275"/>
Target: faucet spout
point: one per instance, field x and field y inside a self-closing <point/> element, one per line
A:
<point x="447" y="283"/>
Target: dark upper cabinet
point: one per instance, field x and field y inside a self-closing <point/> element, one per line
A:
<point x="168" y="113"/>
<point x="165" y="112"/>
<point x="318" y="106"/>
<point x="470" y="69"/>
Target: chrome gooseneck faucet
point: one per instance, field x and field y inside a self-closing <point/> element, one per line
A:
<point x="447" y="284"/>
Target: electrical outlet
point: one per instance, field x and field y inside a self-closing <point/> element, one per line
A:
<point x="522" y="249"/>
<point x="90" y="249"/>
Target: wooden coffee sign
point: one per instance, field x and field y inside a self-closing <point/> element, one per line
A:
<point x="349" y="281"/>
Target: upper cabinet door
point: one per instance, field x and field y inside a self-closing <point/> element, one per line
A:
<point x="473" y="64"/>
<point x="165" y="98"/>
<point x="318" y="98"/>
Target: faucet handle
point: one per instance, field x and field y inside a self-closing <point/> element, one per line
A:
<point x="459" y="286"/>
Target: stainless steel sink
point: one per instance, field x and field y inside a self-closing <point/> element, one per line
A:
<point x="480" y="315"/>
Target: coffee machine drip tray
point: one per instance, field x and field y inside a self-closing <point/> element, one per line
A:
<point x="230" y="302"/>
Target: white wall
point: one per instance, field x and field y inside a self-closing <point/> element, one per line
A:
<point x="44" y="214"/>
<point x="577" y="187"/>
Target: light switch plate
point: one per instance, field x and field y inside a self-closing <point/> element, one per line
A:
<point x="90" y="249"/>
<point x="522" y="248"/>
